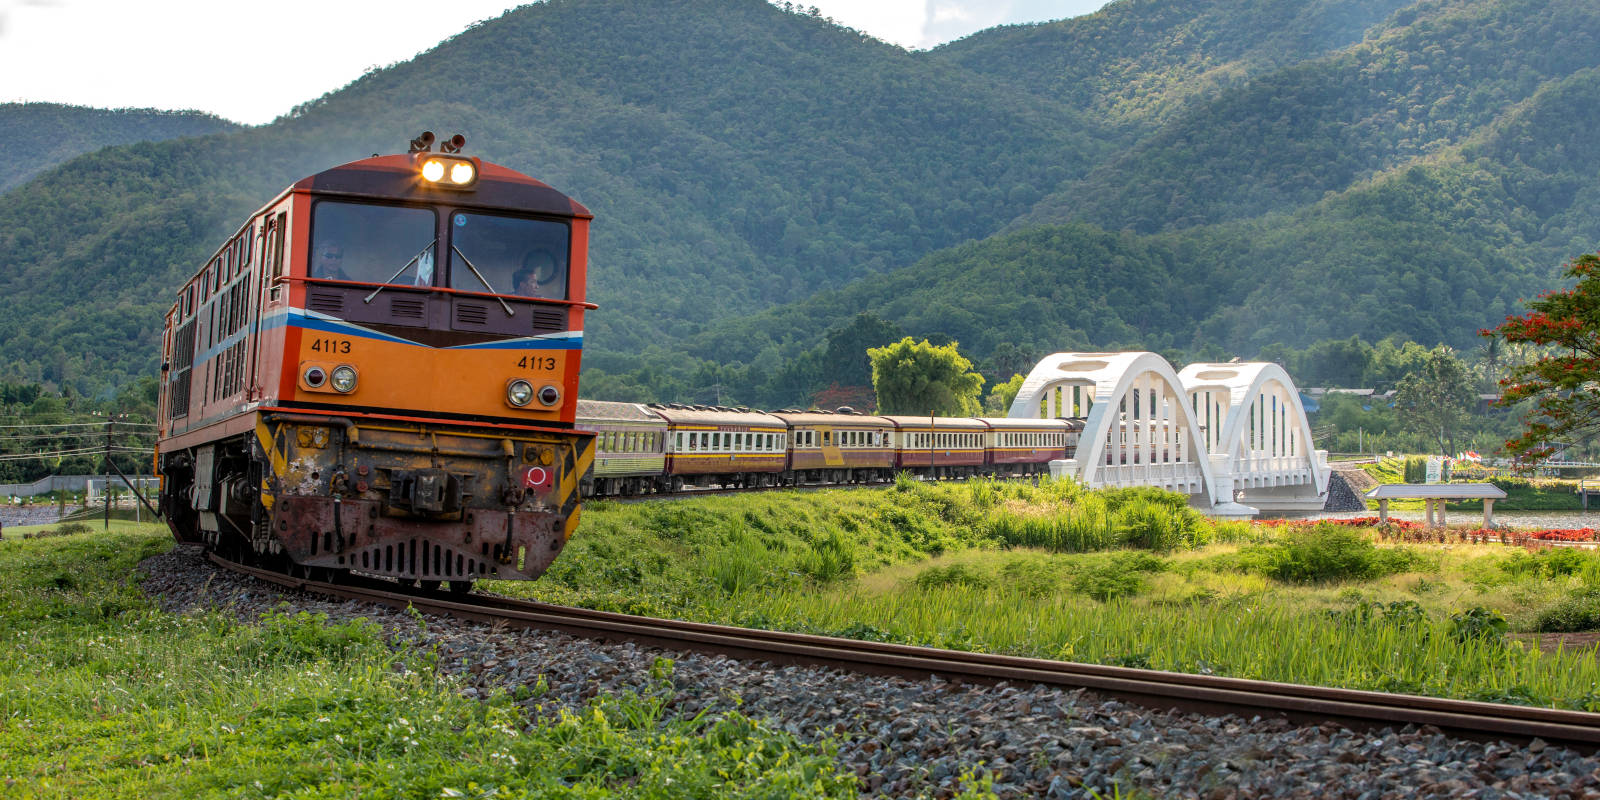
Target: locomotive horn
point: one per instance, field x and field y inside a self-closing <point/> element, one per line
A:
<point x="454" y="144"/>
<point x="423" y="143"/>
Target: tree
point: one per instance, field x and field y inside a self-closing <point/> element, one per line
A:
<point x="921" y="378"/>
<point x="845" y="362"/>
<point x="1434" y="400"/>
<point x="1003" y="394"/>
<point x="1563" y="383"/>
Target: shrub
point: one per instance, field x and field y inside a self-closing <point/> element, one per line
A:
<point x="830" y="557"/>
<point x="959" y="575"/>
<point x="1579" y="611"/>
<point x="1146" y="524"/>
<point x="1119" y="576"/>
<point x="1416" y="470"/>
<point x="1478" y="623"/>
<point x="1324" y="553"/>
<point x="1554" y="562"/>
<point x="1032" y="577"/>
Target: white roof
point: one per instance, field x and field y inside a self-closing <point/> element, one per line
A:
<point x="1449" y="491"/>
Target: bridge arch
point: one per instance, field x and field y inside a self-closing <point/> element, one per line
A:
<point x="1256" y="429"/>
<point x="1139" y="426"/>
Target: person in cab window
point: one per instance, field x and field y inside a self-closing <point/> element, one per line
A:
<point x="329" y="263"/>
<point x="537" y="276"/>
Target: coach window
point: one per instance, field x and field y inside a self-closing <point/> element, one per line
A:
<point x="508" y="255"/>
<point x="371" y="243"/>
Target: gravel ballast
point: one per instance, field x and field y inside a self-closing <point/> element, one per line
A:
<point x="915" y="738"/>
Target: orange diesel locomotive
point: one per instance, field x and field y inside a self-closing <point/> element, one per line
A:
<point x="379" y="372"/>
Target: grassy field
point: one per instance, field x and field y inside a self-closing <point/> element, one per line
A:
<point x="1118" y="578"/>
<point x="104" y="696"/>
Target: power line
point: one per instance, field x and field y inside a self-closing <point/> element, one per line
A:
<point x="68" y="435"/>
<point x="82" y="424"/>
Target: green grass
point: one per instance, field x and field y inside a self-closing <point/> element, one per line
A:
<point x="102" y="695"/>
<point x="1127" y="577"/>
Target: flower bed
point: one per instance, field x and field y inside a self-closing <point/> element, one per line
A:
<point x="1406" y="531"/>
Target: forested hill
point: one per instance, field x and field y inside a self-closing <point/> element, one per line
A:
<point x="1268" y="171"/>
<point x="39" y="136"/>
<point x="1432" y="78"/>
<point x="1138" y="61"/>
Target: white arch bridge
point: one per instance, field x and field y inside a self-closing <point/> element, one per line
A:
<point x="1234" y="437"/>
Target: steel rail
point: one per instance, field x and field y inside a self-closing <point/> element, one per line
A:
<point x="1209" y="694"/>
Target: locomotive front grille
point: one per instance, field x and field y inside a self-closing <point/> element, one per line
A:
<point x="405" y="308"/>
<point x="545" y="321"/>
<point x="325" y="302"/>
<point x="471" y="315"/>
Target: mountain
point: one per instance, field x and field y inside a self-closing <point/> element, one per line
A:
<point x="1434" y="76"/>
<point x="735" y="155"/>
<point x="1430" y="251"/>
<point x="1135" y="63"/>
<point x="43" y="135"/>
<point x="1200" y="176"/>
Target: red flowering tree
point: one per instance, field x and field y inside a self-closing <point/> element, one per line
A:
<point x="1564" y="384"/>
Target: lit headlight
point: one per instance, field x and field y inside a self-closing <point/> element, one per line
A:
<point x="519" y="393"/>
<point x="433" y="171"/>
<point x="462" y="173"/>
<point x="344" y="379"/>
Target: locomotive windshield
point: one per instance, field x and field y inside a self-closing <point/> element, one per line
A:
<point x="508" y="255"/>
<point x="372" y="243"/>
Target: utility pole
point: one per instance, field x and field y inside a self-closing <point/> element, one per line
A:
<point x="107" y="487"/>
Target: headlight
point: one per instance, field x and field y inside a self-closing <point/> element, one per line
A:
<point x="549" y="395"/>
<point x="315" y="377"/>
<point x="344" y="379"/>
<point x="520" y="392"/>
<point x="457" y="173"/>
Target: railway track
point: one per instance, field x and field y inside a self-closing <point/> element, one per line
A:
<point x="1361" y="710"/>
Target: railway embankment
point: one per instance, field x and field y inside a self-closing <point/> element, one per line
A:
<point x="930" y="738"/>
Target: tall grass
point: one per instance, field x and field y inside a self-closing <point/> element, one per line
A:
<point x="1248" y="637"/>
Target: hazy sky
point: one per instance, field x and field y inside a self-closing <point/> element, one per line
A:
<point x="214" y="55"/>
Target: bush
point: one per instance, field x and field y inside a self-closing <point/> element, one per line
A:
<point x="1554" y="562"/>
<point x="1579" y="611"/>
<point x="1119" y="576"/>
<point x="1324" y="553"/>
<point x="1416" y="470"/>
<point x="959" y="575"/>
<point x="1149" y="525"/>
<point x="1478" y="623"/>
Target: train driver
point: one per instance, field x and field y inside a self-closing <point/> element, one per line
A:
<point x="538" y="276"/>
<point x="329" y="262"/>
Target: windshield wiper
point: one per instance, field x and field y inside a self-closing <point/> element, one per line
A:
<point x="484" y="280"/>
<point x="397" y="272"/>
